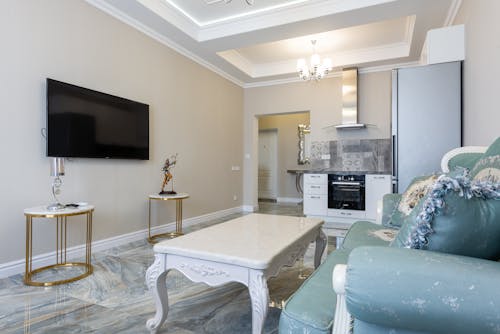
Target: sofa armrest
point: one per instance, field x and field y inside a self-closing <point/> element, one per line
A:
<point x="423" y="290"/>
<point x="389" y="204"/>
<point x="342" y="320"/>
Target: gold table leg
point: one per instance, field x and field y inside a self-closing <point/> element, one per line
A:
<point x="153" y="239"/>
<point x="61" y="252"/>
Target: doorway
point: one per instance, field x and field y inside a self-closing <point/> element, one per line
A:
<point x="268" y="164"/>
<point x="273" y="181"/>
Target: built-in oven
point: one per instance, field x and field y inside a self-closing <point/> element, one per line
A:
<point x="346" y="192"/>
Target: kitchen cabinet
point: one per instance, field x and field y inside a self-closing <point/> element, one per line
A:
<point x="315" y="194"/>
<point x="316" y="197"/>
<point x="376" y="187"/>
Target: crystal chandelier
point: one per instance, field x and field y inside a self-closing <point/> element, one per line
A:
<point x="316" y="70"/>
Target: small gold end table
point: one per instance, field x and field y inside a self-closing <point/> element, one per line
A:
<point x="178" y="216"/>
<point x="61" y="243"/>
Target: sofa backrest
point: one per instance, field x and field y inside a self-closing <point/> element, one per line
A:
<point x="465" y="157"/>
<point x="488" y="165"/>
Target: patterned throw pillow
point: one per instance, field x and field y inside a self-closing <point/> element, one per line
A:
<point x="488" y="167"/>
<point x="418" y="188"/>
<point x="416" y="191"/>
<point x="459" y="216"/>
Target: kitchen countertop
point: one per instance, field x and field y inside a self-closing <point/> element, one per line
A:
<point x="317" y="170"/>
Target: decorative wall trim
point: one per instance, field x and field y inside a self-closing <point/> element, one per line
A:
<point x="452" y="13"/>
<point x="249" y="208"/>
<point x="373" y="69"/>
<point x="107" y="8"/>
<point x="17" y="266"/>
<point x="341" y="59"/>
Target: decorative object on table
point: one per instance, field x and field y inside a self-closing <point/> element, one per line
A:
<point x="304" y="143"/>
<point x="56" y="171"/>
<point x="170" y="163"/>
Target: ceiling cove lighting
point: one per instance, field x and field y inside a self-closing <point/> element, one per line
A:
<point x="232" y="17"/>
<point x="209" y="2"/>
<point x="316" y="70"/>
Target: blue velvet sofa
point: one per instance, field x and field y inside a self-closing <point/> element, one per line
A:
<point x="430" y="267"/>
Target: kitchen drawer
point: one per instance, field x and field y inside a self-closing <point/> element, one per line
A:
<point x="316" y="189"/>
<point x="316" y="179"/>
<point x="316" y="205"/>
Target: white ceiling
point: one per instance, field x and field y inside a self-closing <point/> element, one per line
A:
<point x="259" y="44"/>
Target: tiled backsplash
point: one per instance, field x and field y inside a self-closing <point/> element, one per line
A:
<point x="371" y="155"/>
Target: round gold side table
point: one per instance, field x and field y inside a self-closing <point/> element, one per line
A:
<point x="61" y="243"/>
<point x="178" y="216"/>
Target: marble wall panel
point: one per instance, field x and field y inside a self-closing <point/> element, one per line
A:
<point x="370" y="155"/>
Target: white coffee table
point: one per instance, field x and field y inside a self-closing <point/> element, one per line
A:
<point x="250" y="250"/>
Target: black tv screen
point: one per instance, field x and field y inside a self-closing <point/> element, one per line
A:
<point x="85" y="123"/>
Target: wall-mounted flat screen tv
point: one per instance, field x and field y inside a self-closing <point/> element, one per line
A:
<point x="83" y="123"/>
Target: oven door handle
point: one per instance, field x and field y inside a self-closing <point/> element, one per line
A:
<point x="346" y="183"/>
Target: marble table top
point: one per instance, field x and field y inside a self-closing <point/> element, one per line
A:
<point x="251" y="241"/>
<point x="168" y="196"/>
<point x="43" y="211"/>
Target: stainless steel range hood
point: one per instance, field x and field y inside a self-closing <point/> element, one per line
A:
<point x="350" y="100"/>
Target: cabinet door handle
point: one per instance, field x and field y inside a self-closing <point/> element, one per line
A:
<point x="315" y="197"/>
<point x="315" y="187"/>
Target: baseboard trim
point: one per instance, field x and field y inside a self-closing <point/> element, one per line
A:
<point x="249" y="208"/>
<point x="289" y="200"/>
<point x="18" y="266"/>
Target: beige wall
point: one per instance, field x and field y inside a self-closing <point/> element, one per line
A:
<point x="288" y="148"/>
<point x="192" y="111"/>
<point x="481" y="70"/>
<point x="323" y="100"/>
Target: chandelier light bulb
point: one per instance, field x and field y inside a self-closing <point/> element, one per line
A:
<point x="315" y="60"/>
<point x="327" y="64"/>
<point x="301" y="64"/>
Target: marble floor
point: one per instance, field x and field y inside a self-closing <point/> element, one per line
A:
<point x="115" y="299"/>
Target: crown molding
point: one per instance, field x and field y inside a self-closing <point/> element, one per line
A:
<point x="341" y="59"/>
<point x="235" y="58"/>
<point x="452" y="13"/>
<point x="173" y="15"/>
<point x="119" y="15"/>
<point x="410" y="28"/>
<point x="336" y="74"/>
<point x="295" y="12"/>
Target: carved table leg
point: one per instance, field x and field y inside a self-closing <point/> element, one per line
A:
<point x="321" y="240"/>
<point x="155" y="280"/>
<point x="259" y="294"/>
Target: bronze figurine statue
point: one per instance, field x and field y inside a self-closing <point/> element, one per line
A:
<point x="167" y="175"/>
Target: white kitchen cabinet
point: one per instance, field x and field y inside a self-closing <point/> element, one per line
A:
<point x="315" y="194"/>
<point x="316" y="189"/>
<point x="316" y="179"/>
<point x="376" y="186"/>
<point x="315" y="205"/>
